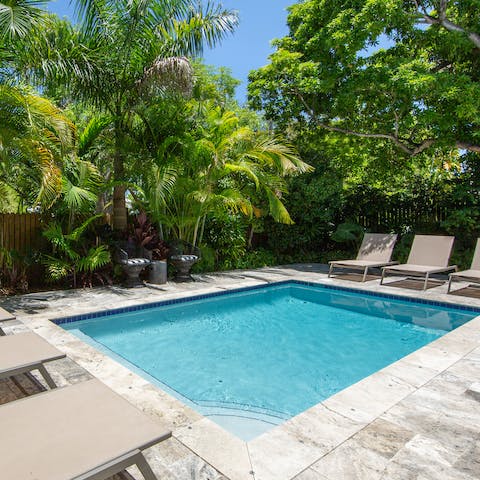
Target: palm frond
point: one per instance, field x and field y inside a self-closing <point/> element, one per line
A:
<point x="200" y="27"/>
<point x="56" y="267"/>
<point x="173" y="73"/>
<point x="97" y="257"/>
<point x="277" y="208"/>
<point x="17" y="17"/>
<point x="91" y="132"/>
<point x="78" y="232"/>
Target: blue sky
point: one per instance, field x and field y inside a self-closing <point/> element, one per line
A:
<point x="248" y="48"/>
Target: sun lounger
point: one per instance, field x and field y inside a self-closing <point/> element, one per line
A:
<point x="473" y="274"/>
<point x="429" y="254"/>
<point x="4" y="316"/>
<point x="376" y="251"/>
<point x="25" y="352"/>
<point x="81" y="432"/>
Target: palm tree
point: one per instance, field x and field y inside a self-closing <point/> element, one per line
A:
<point x="123" y="52"/>
<point x="226" y="168"/>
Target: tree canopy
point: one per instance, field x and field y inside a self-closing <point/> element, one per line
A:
<point x="420" y="92"/>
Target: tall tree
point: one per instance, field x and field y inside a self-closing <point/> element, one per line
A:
<point x="419" y="93"/>
<point x="122" y="52"/>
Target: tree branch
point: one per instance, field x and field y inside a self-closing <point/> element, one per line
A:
<point x="443" y="21"/>
<point x="412" y="149"/>
<point x="468" y="146"/>
<point x="386" y="136"/>
<point x="408" y="146"/>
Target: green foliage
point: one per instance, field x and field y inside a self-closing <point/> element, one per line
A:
<point x="464" y="223"/>
<point x="258" y="258"/>
<point x="34" y="137"/>
<point x="217" y="167"/>
<point x="349" y="233"/>
<point x="417" y="95"/>
<point x="225" y="235"/>
<point x="14" y="271"/>
<point x="72" y="255"/>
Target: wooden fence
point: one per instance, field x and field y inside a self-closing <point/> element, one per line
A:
<point x="20" y="232"/>
<point x="394" y="217"/>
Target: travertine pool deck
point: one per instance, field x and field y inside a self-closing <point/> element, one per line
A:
<point x="418" y="418"/>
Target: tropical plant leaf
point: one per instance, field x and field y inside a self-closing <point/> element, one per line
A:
<point x="97" y="257"/>
<point x="277" y="209"/>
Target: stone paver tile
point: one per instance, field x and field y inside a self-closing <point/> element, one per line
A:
<point x="452" y="430"/>
<point x="433" y="358"/>
<point x="468" y="369"/>
<point x="351" y="461"/>
<point x="188" y="466"/>
<point x="282" y="454"/>
<point x="474" y="391"/>
<point x="424" y="458"/>
<point x="384" y="438"/>
<point x="413" y="374"/>
<point x="469" y="462"/>
<point x="322" y="427"/>
<point x="369" y="398"/>
<point x="226" y="452"/>
<point x="456" y="342"/>
<point x="170" y="411"/>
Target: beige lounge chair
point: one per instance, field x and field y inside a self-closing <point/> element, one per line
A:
<point x="473" y="274"/>
<point x="429" y="254"/>
<point x="4" y="317"/>
<point x="375" y="251"/>
<point x="81" y="432"/>
<point x="25" y="352"/>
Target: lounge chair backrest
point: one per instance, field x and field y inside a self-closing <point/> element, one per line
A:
<point x="432" y="250"/>
<point x="476" y="257"/>
<point x="377" y="247"/>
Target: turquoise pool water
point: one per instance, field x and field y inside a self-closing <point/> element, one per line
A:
<point x="270" y="353"/>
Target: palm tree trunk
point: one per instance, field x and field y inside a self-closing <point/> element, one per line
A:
<point x="202" y="231"/>
<point x="195" y="232"/>
<point x="119" y="205"/>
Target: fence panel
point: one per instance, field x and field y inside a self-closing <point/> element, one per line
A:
<point x="394" y="216"/>
<point x="20" y="232"/>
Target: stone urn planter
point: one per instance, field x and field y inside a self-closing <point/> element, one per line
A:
<point x="183" y="265"/>
<point x="132" y="267"/>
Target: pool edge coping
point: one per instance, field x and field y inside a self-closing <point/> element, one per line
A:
<point x="223" y="292"/>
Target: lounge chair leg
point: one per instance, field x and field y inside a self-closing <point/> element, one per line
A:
<point x="449" y="284"/>
<point x="425" y="283"/>
<point x="330" y="271"/>
<point x="145" y="468"/>
<point x="365" y="274"/>
<point x="2" y="333"/>
<point x="383" y="276"/>
<point x="43" y="371"/>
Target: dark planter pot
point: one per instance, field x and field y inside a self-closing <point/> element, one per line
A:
<point x="158" y="272"/>
<point x="183" y="265"/>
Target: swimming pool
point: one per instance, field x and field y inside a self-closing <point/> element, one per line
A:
<point x="254" y="358"/>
